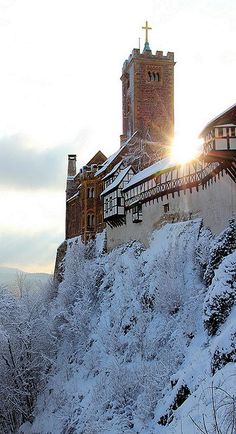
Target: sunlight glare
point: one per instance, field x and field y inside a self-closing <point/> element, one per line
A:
<point x="183" y="150"/>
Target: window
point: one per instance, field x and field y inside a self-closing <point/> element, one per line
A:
<point x="90" y="192"/>
<point x="90" y="220"/>
<point x="106" y="205"/>
<point x="232" y="132"/>
<point x="220" y="132"/>
<point x="110" y="203"/>
<point x="166" y="207"/>
<point x="137" y="215"/>
<point x="119" y="201"/>
<point x="153" y="76"/>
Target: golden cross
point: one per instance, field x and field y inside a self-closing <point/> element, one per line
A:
<point x="146" y="28"/>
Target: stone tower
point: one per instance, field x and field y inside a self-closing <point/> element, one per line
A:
<point x="148" y="95"/>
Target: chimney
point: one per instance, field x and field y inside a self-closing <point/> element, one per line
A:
<point x="71" y="165"/>
<point x="71" y="172"/>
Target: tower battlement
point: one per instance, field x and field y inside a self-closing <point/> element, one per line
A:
<point x="136" y="54"/>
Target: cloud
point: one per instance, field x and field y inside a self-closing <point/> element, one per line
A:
<point x="30" y="251"/>
<point x="23" y="166"/>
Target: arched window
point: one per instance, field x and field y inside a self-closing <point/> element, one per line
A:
<point x="153" y="76"/>
<point x="90" y="192"/>
<point x="90" y="221"/>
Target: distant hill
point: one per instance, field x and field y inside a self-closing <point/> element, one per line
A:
<point x="8" y="277"/>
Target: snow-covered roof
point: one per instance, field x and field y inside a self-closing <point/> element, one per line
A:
<point x="225" y="125"/>
<point x="115" y="168"/>
<point x="73" y="197"/>
<point x="159" y="166"/>
<point x="113" y="156"/>
<point x="109" y="161"/>
<point x="117" y="181"/>
<point x="218" y="116"/>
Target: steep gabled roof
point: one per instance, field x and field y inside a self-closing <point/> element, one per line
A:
<point x="149" y="172"/>
<point x="115" y="168"/>
<point x="109" y="161"/>
<point x="98" y="158"/>
<point x="116" y="154"/>
<point x="228" y="116"/>
<point x="117" y="181"/>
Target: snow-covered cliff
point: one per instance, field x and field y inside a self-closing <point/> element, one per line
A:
<point x="146" y="338"/>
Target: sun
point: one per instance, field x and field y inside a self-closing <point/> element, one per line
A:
<point x="184" y="148"/>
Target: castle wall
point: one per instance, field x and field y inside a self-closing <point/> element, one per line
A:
<point x="216" y="204"/>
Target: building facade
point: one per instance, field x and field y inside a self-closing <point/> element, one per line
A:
<point x="84" y="209"/>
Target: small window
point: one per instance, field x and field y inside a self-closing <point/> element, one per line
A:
<point x="137" y="215"/>
<point x="92" y="192"/>
<point x="88" y="192"/>
<point x="88" y="220"/>
<point x="232" y="132"/>
<point x="166" y="208"/>
<point x="220" y="132"/>
<point x="106" y="205"/>
<point x="119" y="201"/>
<point x="110" y="203"/>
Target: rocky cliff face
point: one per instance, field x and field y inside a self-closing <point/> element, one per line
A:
<point x="60" y="263"/>
<point x="147" y="337"/>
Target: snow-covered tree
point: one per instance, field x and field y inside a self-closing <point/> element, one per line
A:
<point x="222" y="246"/>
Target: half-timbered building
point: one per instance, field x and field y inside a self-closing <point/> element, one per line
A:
<point x="113" y="198"/>
<point x="166" y="191"/>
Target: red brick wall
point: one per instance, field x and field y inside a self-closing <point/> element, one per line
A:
<point x="148" y="105"/>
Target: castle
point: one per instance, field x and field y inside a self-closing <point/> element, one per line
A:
<point x="140" y="187"/>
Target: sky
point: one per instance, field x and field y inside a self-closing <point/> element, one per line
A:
<point x="60" y="91"/>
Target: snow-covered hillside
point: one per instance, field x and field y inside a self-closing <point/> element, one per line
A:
<point x="146" y="338"/>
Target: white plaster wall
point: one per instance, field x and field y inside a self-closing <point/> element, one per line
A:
<point x="216" y="204"/>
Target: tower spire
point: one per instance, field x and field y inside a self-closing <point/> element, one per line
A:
<point x="146" y="45"/>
